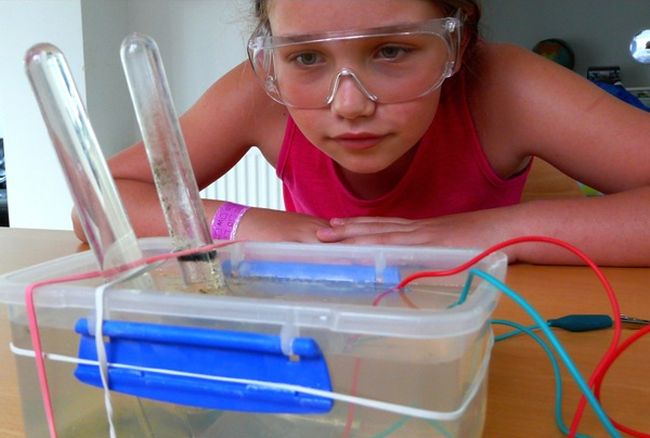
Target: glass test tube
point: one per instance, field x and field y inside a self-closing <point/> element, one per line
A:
<point x="95" y="196"/>
<point x="169" y="160"/>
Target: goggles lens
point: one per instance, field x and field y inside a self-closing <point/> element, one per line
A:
<point x="389" y="65"/>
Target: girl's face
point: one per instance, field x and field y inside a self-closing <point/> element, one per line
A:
<point x="362" y="136"/>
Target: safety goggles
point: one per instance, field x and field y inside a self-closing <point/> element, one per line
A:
<point x="387" y="64"/>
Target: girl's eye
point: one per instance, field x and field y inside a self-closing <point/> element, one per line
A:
<point x="307" y="58"/>
<point x="392" y="53"/>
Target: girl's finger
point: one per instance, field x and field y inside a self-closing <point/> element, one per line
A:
<point x="368" y="219"/>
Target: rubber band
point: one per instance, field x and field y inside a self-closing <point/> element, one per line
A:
<point x="100" y="294"/>
<point x="396" y="408"/>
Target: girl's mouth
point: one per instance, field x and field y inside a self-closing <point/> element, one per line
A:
<point x="359" y="141"/>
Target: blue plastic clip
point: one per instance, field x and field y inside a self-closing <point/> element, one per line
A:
<point x="211" y="352"/>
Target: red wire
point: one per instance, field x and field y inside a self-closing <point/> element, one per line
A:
<point x="353" y="391"/>
<point x="611" y="350"/>
<point x="37" y="344"/>
<point x="624" y="346"/>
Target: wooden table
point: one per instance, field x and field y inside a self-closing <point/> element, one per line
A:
<point x="521" y="385"/>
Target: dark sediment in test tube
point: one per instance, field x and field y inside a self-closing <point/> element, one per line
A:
<point x="169" y="160"/>
<point x="95" y="196"/>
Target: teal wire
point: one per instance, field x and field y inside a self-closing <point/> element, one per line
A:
<point x="604" y="419"/>
<point x="392" y="429"/>
<point x="519" y="328"/>
<point x="437" y="426"/>
<point x="402" y="421"/>
<point x="518" y="331"/>
<point x="463" y="293"/>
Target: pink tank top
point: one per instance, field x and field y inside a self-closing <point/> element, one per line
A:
<point x="449" y="173"/>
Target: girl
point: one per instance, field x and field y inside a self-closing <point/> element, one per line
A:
<point x="390" y="122"/>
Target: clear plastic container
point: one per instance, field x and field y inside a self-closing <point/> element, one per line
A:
<point x="417" y="349"/>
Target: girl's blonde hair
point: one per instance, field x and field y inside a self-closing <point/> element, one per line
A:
<point x="468" y="10"/>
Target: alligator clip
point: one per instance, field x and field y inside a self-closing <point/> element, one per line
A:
<point x="633" y="323"/>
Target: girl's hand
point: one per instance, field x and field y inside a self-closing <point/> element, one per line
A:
<point x="470" y="230"/>
<point x="262" y="224"/>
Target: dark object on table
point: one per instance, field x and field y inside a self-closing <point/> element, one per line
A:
<point x="608" y="74"/>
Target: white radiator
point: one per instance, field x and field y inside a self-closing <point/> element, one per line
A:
<point x="251" y="182"/>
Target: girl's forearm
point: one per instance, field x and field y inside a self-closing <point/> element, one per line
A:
<point x="611" y="229"/>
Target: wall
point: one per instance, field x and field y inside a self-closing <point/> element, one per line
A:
<point x="105" y="23"/>
<point x="36" y="189"/>
<point x="199" y="41"/>
<point x="599" y="31"/>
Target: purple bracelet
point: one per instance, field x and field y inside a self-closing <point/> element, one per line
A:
<point x="226" y="221"/>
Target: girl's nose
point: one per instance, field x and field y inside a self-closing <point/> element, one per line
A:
<point x="350" y="102"/>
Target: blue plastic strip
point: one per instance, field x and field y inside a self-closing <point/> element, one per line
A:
<point x="210" y="352"/>
<point x="389" y="276"/>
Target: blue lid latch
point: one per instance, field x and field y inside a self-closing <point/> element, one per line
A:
<point x="205" y="356"/>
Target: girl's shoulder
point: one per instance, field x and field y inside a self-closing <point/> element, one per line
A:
<point x="495" y="74"/>
<point x="513" y="76"/>
<point x="264" y="119"/>
<point x="237" y="111"/>
<point x="494" y="64"/>
<point x="509" y="89"/>
<point x="524" y="105"/>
